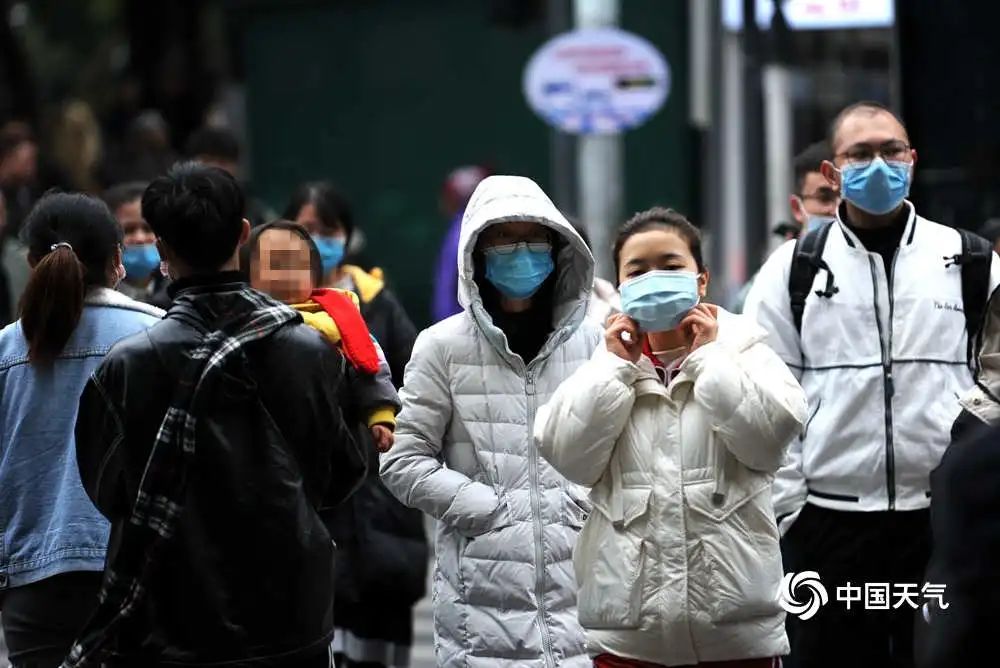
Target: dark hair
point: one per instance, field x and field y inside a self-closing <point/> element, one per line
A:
<point x="667" y="219"/>
<point x="809" y="161"/>
<point x="72" y="239"/>
<point x="250" y="249"/>
<point x="197" y="211"/>
<point x="331" y="205"/>
<point x="213" y="142"/>
<point x="990" y="230"/>
<point x="123" y="193"/>
<point x="867" y="106"/>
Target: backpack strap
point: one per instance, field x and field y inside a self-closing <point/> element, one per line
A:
<point x="807" y="260"/>
<point x="976" y="261"/>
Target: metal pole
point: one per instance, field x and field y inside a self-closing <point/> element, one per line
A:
<point x="600" y="159"/>
<point x="562" y="146"/>
<point x="706" y="111"/>
<point x="754" y="166"/>
<point x="778" y="124"/>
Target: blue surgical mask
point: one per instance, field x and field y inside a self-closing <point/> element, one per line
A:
<point x="518" y="270"/>
<point x="878" y="187"/>
<point x="815" y="222"/>
<point x="141" y="260"/>
<point x="331" y="252"/>
<point x="659" y="300"/>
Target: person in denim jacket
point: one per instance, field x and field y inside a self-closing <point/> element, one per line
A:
<point x="52" y="538"/>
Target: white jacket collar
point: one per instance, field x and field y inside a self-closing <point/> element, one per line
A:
<point x="101" y="296"/>
<point x="855" y="243"/>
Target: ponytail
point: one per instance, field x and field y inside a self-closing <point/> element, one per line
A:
<point x="52" y="303"/>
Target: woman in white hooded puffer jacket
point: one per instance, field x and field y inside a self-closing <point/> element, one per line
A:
<point x="504" y="594"/>
<point x="679" y="564"/>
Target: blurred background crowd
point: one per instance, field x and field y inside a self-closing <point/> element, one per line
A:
<point x="386" y="99"/>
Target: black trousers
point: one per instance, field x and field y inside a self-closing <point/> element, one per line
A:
<point x="41" y="619"/>
<point x="856" y="548"/>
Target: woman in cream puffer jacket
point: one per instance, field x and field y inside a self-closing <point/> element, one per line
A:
<point x="678" y="564"/>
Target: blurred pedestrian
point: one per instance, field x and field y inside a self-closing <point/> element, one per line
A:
<point x="143" y="279"/>
<point x="145" y="153"/>
<point x="18" y="173"/>
<point x="326" y="214"/>
<point x="458" y="188"/>
<point x="54" y="538"/>
<point x="875" y="314"/>
<point x="210" y="464"/>
<point x="77" y="145"/>
<point x="813" y="204"/>
<point x="464" y="452"/>
<point x="218" y="147"/>
<point x="678" y="424"/>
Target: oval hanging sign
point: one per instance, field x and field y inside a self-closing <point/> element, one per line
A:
<point x="596" y="81"/>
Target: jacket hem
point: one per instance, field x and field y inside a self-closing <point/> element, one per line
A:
<point x="912" y="500"/>
<point x="25" y="573"/>
<point x="731" y="642"/>
<point x="283" y="660"/>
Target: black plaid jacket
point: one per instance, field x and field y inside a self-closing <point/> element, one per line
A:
<point x="211" y="442"/>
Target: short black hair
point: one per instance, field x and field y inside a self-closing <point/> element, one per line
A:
<point x="809" y="161"/>
<point x="868" y="106"/>
<point x="331" y="204"/>
<point x="213" y="142"/>
<point x="251" y="248"/>
<point x="662" y="218"/>
<point x="197" y="211"/>
<point x="123" y="193"/>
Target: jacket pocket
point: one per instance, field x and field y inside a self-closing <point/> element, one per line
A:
<point x="609" y="561"/>
<point x="576" y="507"/>
<point x="736" y="566"/>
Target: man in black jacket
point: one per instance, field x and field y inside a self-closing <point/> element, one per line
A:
<point x="211" y="442"/>
<point x="959" y="629"/>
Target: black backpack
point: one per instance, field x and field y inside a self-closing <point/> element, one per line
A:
<point x="975" y="259"/>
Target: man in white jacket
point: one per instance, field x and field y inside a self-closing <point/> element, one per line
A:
<point x="504" y="592"/>
<point x="879" y="342"/>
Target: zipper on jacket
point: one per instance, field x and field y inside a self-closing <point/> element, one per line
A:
<point x="536" y="512"/>
<point x="887" y="380"/>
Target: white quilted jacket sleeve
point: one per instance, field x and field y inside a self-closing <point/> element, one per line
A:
<point x="577" y="429"/>
<point x="754" y="402"/>
<point x="413" y="469"/>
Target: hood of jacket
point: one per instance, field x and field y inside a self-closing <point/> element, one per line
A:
<point x="504" y="199"/>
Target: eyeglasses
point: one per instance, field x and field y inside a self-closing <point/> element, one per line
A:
<point x="825" y="196"/>
<point x="533" y="246"/>
<point x="893" y="149"/>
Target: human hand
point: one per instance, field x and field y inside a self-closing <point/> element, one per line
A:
<point x="384" y="438"/>
<point x="622" y="337"/>
<point x="700" y="325"/>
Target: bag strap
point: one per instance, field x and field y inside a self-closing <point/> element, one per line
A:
<point x="976" y="261"/>
<point x="807" y="260"/>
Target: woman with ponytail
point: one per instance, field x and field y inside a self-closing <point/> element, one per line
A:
<point x="52" y="538"/>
